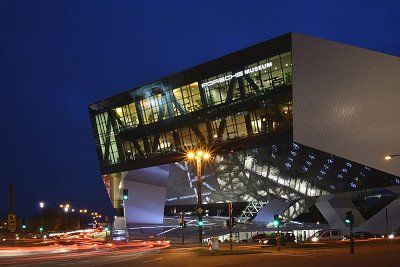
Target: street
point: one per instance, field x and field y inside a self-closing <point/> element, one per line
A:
<point x="365" y="256"/>
<point x="162" y="255"/>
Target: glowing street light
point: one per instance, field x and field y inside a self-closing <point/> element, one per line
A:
<point x="83" y="212"/>
<point x="199" y="156"/>
<point x="389" y="157"/>
<point x="66" y="209"/>
<point x="41" y="206"/>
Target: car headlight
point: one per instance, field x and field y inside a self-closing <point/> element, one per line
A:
<point x="391" y="236"/>
<point x="314" y="239"/>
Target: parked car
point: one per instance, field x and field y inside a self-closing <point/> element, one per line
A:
<point x="271" y="239"/>
<point x="363" y="235"/>
<point x="326" y="236"/>
<point x="258" y="237"/>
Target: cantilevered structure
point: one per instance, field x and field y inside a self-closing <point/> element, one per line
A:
<point x="288" y="120"/>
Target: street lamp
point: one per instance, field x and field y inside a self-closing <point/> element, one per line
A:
<point x="389" y="157"/>
<point x="65" y="207"/>
<point x="41" y="206"/>
<point x="83" y="212"/>
<point x="199" y="156"/>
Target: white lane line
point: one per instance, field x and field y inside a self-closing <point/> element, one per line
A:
<point x="156" y="259"/>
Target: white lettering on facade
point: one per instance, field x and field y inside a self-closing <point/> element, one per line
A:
<point x="237" y="74"/>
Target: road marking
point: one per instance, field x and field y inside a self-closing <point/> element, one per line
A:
<point x="157" y="259"/>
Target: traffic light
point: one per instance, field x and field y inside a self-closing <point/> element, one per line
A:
<point x="277" y="221"/>
<point x="183" y="223"/>
<point x="106" y="228"/>
<point x="125" y="194"/>
<point x="40" y="229"/>
<point x="349" y="220"/>
<point x="200" y="223"/>
<point x="24" y="225"/>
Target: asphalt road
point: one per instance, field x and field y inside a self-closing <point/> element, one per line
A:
<point x="372" y="255"/>
<point x="364" y="256"/>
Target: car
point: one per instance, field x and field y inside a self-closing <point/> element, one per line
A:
<point x="363" y="235"/>
<point x="120" y="235"/>
<point x="258" y="237"/>
<point x="271" y="240"/>
<point x="326" y="236"/>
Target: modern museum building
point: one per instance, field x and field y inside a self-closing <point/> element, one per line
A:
<point x="292" y="124"/>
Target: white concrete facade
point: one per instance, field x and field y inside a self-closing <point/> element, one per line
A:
<point x="346" y="101"/>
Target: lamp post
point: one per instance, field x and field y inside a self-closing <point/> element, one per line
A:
<point x="41" y="206"/>
<point x="83" y="212"/>
<point x="389" y="157"/>
<point x="66" y="210"/>
<point x="199" y="156"/>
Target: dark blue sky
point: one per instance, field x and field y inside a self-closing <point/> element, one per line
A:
<point x="56" y="57"/>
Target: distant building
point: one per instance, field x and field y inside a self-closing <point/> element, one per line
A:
<point x="289" y="122"/>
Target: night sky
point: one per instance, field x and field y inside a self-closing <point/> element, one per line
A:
<point x="56" y="57"/>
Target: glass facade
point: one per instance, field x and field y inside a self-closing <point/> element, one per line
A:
<point x="162" y="118"/>
<point x="263" y="75"/>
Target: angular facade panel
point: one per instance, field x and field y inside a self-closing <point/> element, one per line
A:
<point x="346" y="101"/>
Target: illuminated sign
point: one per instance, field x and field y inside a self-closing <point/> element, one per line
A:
<point x="237" y="74"/>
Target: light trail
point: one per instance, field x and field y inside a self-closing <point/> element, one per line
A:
<point x="44" y="254"/>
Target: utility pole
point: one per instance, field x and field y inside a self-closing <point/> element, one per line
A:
<point x="230" y="211"/>
<point x="350" y="221"/>
<point x="351" y="239"/>
<point x="277" y="222"/>
<point x="182" y="223"/>
<point x="199" y="156"/>
<point x="199" y="199"/>
<point x="11" y="198"/>
<point x="12" y="217"/>
<point x="387" y="230"/>
<point x="387" y="222"/>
